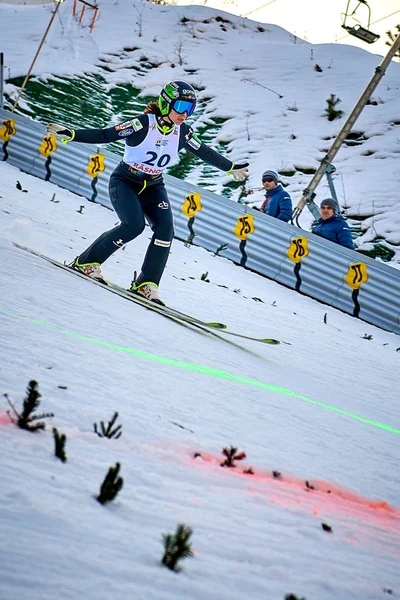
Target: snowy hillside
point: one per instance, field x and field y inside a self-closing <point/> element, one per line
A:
<point x="317" y="416"/>
<point x="257" y="82"/>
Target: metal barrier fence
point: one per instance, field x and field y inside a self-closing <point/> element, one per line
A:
<point x="365" y="288"/>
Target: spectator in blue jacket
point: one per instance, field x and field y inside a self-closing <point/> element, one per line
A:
<point x="332" y="226"/>
<point x="277" y="202"/>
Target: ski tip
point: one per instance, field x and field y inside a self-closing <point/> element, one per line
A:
<point x="270" y="341"/>
<point x="216" y="325"/>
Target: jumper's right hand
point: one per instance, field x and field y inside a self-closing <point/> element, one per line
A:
<point x="61" y="130"/>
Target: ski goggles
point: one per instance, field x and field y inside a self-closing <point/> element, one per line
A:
<point x="268" y="178"/>
<point x="181" y="106"/>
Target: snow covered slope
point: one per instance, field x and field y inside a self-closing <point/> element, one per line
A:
<point x="321" y="409"/>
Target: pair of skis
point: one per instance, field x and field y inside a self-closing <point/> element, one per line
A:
<point x="171" y="313"/>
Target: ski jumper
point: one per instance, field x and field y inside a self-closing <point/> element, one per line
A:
<point x="137" y="189"/>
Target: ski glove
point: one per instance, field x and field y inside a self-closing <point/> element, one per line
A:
<point x="239" y="172"/>
<point x="56" y="129"/>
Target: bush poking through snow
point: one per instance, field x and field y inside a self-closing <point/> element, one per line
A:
<point x="248" y="471"/>
<point x="26" y="420"/>
<point x="111" y="485"/>
<point x="59" y="441"/>
<point x="220" y="249"/>
<point x="392" y="38"/>
<point x="231" y="456"/>
<point x="177" y="547"/>
<point x="331" y="111"/>
<point x="108" y="431"/>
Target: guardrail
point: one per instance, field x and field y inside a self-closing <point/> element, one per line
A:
<point x="365" y="288"/>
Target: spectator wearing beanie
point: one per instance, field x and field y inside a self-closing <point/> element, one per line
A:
<point x="277" y="202"/>
<point x="332" y="226"/>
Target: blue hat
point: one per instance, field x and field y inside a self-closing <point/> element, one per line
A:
<point x="270" y="173"/>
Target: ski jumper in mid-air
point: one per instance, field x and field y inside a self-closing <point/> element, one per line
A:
<point x="137" y="189"/>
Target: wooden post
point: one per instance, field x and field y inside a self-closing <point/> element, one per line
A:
<point x="93" y="20"/>
<point x="308" y="194"/>
<point x="82" y="13"/>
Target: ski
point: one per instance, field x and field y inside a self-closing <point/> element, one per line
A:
<point x="221" y="327"/>
<point x="171" y="313"/>
<point x="164" y="309"/>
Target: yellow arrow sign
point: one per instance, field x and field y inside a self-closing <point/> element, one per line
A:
<point x="96" y="165"/>
<point x="244" y="226"/>
<point x="48" y="145"/>
<point x="7" y="129"/>
<point x="356" y="275"/>
<point x="298" y="249"/>
<point x="191" y="205"/>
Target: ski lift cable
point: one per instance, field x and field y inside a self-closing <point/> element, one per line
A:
<point x="387" y="16"/>
<point x="259" y="8"/>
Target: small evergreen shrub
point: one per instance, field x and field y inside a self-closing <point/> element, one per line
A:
<point x="221" y="248"/>
<point x="27" y="420"/>
<point x="108" y="431"/>
<point x="60" y="441"/>
<point x="331" y="112"/>
<point x="392" y="37"/>
<point x="111" y="485"/>
<point x="177" y="547"/>
<point x="231" y="456"/>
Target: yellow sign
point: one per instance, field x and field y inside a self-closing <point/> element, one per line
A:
<point x="298" y="249"/>
<point x="48" y="145"/>
<point x="356" y="275"/>
<point x="7" y="129"/>
<point x="191" y="205"/>
<point x="244" y="226"/>
<point x="96" y="165"/>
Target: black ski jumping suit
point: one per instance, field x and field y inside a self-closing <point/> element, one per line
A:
<point x="137" y="190"/>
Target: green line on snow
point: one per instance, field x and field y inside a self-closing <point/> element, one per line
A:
<point x="195" y="368"/>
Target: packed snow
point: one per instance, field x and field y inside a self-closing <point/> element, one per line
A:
<point x="322" y="408"/>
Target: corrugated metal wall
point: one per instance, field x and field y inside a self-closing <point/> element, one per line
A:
<point x="356" y="284"/>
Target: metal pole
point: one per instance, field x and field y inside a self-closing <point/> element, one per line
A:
<point x="328" y="172"/>
<point x="308" y="193"/>
<point x="36" y="55"/>
<point x="1" y="78"/>
<point x="331" y="185"/>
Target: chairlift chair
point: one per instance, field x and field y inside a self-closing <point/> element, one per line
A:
<point x="360" y="32"/>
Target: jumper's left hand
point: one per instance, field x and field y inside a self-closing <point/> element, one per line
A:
<point x="240" y="172"/>
<point x="60" y="130"/>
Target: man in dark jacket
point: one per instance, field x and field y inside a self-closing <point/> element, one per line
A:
<point x="332" y="226"/>
<point x="277" y="202"/>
